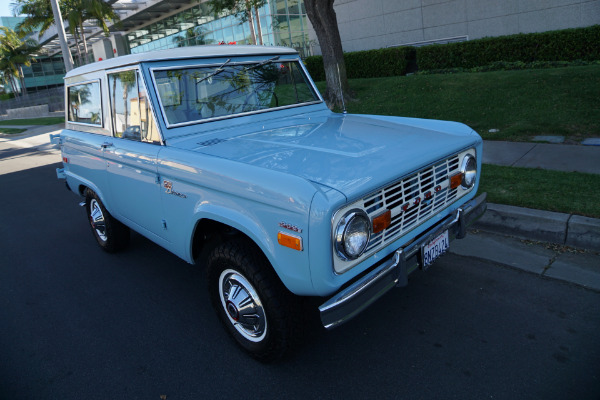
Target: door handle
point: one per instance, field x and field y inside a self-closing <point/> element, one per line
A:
<point x="106" y="145"/>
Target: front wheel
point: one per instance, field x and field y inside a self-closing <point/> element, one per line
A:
<point x="250" y="300"/>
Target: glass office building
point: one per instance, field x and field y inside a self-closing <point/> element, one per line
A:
<point x="281" y="22"/>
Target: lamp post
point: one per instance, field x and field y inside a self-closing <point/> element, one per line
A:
<point x="58" y="21"/>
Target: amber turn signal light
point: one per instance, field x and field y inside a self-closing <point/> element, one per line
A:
<point x="456" y="180"/>
<point x="382" y="221"/>
<point x="291" y="241"/>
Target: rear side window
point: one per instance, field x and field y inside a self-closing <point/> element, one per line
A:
<point x="85" y="105"/>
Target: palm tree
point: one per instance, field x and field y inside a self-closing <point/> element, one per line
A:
<point x="14" y="53"/>
<point x="39" y="17"/>
<point x="79" y="11"/>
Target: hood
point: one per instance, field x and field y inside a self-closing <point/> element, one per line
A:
<point x="350" y="153"/>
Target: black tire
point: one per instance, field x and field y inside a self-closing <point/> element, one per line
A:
<point x="111" y="235"/>
<point x="244" y="291"/>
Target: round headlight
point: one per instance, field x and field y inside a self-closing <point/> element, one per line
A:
<point x="469" y="171"/>
<point x="352" y="234"/>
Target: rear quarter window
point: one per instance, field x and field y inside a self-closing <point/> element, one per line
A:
<point x="84" y="103"/>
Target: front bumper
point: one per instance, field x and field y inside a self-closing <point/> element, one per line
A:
<point x="394" y="271"/>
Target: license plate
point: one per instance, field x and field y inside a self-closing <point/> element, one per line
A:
<point x="432" y="250"/>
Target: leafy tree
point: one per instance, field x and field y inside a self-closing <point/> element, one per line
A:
<point x="39" y="17"/>
<point x="14" y="53"/>
<point x="79" y="11"/>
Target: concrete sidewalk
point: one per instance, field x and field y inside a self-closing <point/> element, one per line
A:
<point x="558" y="157"/>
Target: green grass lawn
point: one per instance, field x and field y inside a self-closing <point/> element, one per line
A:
<point x="520" y="104"/>
<point x="11" y="131"/>
<point x="566" y="192"/>
<point x="33" y="121"/>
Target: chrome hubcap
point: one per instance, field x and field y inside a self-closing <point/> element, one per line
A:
<point x="242" y="305"/>
<point x="97" y="220"/>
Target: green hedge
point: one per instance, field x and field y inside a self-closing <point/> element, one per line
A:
<point x="368" y="64"/>
<point x="563" y="45"/>
<point x="555" y="46"/>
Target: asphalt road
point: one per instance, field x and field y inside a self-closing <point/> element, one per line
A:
<point x="76" y="323"/>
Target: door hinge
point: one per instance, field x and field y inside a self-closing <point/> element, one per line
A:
<point x="157" y="179"/>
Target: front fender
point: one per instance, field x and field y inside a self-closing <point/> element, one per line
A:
<point x="291" y="266"/>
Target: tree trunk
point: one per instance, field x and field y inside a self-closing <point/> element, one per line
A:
<point x="13" y="85"/>
<point x="22" y="79"/>
<point x="251" y="23"/>
<point x="259" y="33"/>
<point x="324" y="21"/>
<point x="78" y="49"/>
<point x="85" y="46"/>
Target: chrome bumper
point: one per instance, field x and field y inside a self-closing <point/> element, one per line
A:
<point x="394" y="271"/>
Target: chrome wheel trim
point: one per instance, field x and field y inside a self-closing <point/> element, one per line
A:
<point x="242" y="305"/>
<point x="97" y="220"/>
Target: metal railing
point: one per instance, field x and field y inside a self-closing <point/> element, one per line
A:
<point x="54" y="98"/>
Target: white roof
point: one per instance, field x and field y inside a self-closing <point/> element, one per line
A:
<point x="181" y="53"/>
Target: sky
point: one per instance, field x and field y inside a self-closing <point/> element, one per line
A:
<point x="5" y="9"/>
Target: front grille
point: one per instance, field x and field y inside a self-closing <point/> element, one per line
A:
<point x="412" y="200"/>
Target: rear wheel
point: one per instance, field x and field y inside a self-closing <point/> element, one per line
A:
<point x="110" y="234"/>
<point x="250" y="300"/>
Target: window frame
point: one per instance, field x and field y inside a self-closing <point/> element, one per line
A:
<point x="139" y="75"/>
<point x="168" y="125"/>
<point x="68" y="107"/>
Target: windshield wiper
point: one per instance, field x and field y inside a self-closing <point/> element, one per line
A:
<point x="216" y="71"/>
<point x="260" y="64"/>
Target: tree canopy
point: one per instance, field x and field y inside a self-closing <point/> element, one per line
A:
<point x="39" y="17"/>
<point x="15" y="51"/>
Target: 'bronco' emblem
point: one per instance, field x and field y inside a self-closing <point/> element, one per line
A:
<point x="168" y="185"/>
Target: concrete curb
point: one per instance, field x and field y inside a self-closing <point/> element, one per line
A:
<point x="546" y="226"/>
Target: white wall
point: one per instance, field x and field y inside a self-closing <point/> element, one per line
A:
<point x="373" y="24"/>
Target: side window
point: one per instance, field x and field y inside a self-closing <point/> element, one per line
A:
<point x="149" y="130"/>
<point x="130" y="111"/>
<point x="85" y="105"/>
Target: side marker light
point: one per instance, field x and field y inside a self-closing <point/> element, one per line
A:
<point x="291" y="241"/>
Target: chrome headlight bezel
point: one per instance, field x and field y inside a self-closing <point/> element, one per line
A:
<point x="341" y="231"/>
<point x="468" y="168"/>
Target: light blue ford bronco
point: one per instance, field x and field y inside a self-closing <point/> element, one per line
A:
<point x="228" y="157"/>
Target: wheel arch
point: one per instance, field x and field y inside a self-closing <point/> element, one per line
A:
<point x="209" y="231"/>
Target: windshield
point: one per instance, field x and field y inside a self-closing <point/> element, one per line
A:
<point x="200" y="93"/>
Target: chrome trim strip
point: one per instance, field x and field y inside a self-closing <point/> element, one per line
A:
<point x="350" y="301"/>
